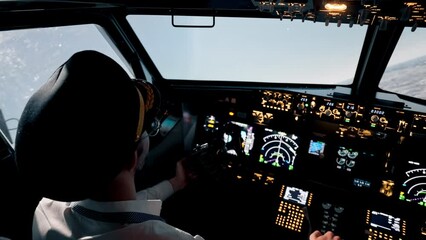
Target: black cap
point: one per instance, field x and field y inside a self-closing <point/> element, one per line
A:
<point x="78" y="130"/>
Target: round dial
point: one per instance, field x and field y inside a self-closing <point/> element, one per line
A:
<point x="278" y="150"/>
<point x="415" y="185"/>
<point x="342" y="151"/>
<point x="352" y="154"/>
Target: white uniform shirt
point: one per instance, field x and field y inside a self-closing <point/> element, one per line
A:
<point x="60" y="220"/>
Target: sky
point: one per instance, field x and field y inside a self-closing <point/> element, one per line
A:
<point x="269" y="50"/>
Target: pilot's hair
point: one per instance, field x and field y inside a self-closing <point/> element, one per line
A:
<point x="80" y="128"/>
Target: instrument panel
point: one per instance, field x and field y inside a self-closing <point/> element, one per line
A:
<point x="318" y="155"/>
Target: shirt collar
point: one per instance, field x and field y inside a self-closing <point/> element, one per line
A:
<point x="144" y="206"/>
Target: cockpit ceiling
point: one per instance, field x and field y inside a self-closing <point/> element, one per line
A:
<point x="347" y="12"/>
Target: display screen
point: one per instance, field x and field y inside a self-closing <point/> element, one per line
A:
<point x="412" y="172"/>
<point x="361" y="183"/>
<point x="296" y="195"/>
<point x="385" y="221"/>
<point x="239" y="137"/>
<point x="279" y="149"/>
<point x="316" y="148"/>
<point x="168" y="124"/>
<point x="414" y="184"/>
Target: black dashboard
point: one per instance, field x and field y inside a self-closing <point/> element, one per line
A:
<point x="314" y="162"/>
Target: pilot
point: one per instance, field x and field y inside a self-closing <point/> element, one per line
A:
<point x="317" y="235"/>
<point x="81" y="138"/>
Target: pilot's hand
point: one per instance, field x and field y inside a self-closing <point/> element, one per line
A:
<point x="317" y="235"/>
<point x="182" y="177"/>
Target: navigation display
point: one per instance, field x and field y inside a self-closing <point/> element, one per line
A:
<point x="413" y="173"/>
<point x="414" y="184"/>
<point x="279" y="149"/>
<point x="296" y="195"/>
<point x="238" y="137"/>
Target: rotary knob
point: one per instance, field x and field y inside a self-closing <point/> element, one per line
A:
<point x="374" y="118"/>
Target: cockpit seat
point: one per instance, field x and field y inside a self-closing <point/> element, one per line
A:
<point x="17" y="204"/>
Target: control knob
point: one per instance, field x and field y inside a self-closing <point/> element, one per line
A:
<point x="374" y="118"/>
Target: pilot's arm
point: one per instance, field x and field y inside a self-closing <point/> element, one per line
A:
<point x="166" y="188"/>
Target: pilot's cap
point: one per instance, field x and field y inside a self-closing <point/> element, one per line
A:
<point x="79" y="129"/>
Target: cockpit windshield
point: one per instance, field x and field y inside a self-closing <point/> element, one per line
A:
<point x="257" y="49"/>
<point x="406" y="72"/>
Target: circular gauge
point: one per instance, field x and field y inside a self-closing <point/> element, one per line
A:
<point x="278" y="150"/>
<point x="342" y="151"/>
<point x="352" y="155"/>
<point x="415" y="186"/>
<point x="340" y="161"/>
<point x="350" y="163"/>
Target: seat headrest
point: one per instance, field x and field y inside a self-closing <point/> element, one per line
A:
<point x="78" y="130"/>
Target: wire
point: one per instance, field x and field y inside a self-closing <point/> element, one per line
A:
<point x="9" y="119"/>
